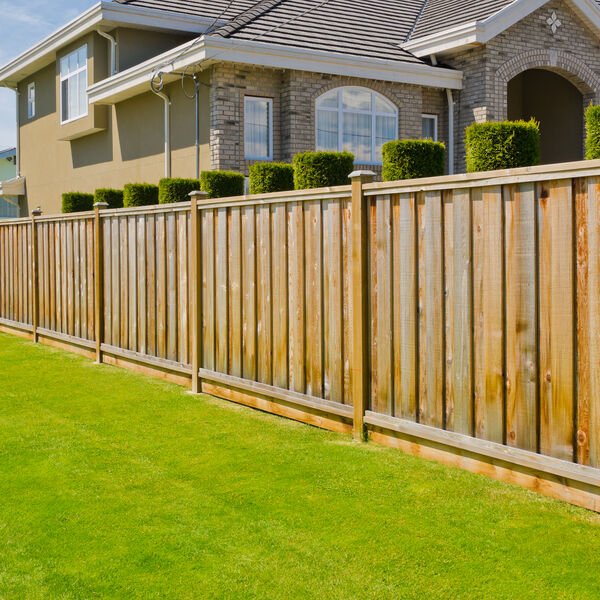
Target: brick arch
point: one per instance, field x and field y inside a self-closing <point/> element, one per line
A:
<point x="562" y="63"/>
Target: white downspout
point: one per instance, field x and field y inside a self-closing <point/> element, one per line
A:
<point x="18" y="142"/>
<point x="450" y="97"/>
<point x="167" y="102"/>
<point x="113" y="51"/>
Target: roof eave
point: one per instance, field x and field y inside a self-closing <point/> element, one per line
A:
<point x="212" y="49"/>
<point x="103" y="15"/>
<point x="481" y="32"/>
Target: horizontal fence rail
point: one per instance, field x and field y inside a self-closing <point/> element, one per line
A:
<point x="457" y="314"/>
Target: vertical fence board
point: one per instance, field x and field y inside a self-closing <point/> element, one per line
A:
<point x="431" y="310"/>
<point x="133" y="283"/>
<point x="488" y="313"/>
<point x="296" y="265"/>
<point x="264" y="295"/>
<point x="314" y="298"/>
<point x="171" y="302"/>
<point x="249" y="315"/>
<point x="521" y="330"/>
<point x="182" y="288"/>
<point x="142" y="284"/>
<point x="347" y="299"/>
<point x="222" y="291"/>
<point x="161" y="287"/>
<point x="588" y="321"/>
<point x="557" y="318"/>
<point x="280" y="296"/>
<point x="235" y="292"/>
<point x="404" y="281"/>
<point x="208" y="289"/>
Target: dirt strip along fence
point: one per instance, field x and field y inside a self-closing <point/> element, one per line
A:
<point x="456" y="318"/>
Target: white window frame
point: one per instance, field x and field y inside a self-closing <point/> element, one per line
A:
<point x="31" y="100"/>
<point x="434" y="118"/>
<point x="269" y="102"/>
<point x="341" y="110"/>
<point x="70" y="75"/>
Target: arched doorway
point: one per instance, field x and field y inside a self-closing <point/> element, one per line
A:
<point x="557" y="105"/>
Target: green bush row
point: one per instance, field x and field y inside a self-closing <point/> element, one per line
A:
<point x="411" y="159"/>
<point x="77" y="202"/>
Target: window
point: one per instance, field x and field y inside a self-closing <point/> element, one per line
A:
<point x="430" y="127"/>
<point x="31" y="101"/>
<point x="258" y="128"/>
<point x="357" y="120"/>
<point x="73" y="85"/>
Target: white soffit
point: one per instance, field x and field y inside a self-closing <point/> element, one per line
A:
<point x="481" y="32"/>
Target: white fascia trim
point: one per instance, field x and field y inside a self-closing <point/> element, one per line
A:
<point x="105" y="14"/>
<point x="213" y="49"/>
<point x="481" y="32"/>
<point x="13" y="187"/>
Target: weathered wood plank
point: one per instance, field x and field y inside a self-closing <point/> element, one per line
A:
<point x="557" y="318"/>
<point x="431" y="310"/>
<point x="279" y="252"/>
<point x="124" y="283"/>
<point x="404" y="241"/>
<point x="171" y="309"/>
<point x="333" y="303"/>
<point x="235" y="292"/>
<point x="488" y="313"/>
<point x="346" y="208"/>
<point x="264" y="295"/>
<point x="142" y="284"/>
<point x="208" y="289"/>
<point x="521" y="328"/>
<point x="182" y="288"/>
<point x="133" y="283"/>
<point x="297" y="315"/>
<point x="314" y="298"/>
<point x="249" y="316"/>
<point x="151" y="287"/>
<point x="161" y="287"/>
<point x="222" y="292"/>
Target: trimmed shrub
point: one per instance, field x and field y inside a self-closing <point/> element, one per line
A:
<point x="114" y="198"/>
<point x="505" y="145"/>
<point x="222" y="184"/>
<point x="322" y="169"/>
<point x="411" y="159"/>
<point x="73" y="202"/>
<point x="176" y="190"/>
<point x="592" y="138"/>
<point x="271" y="177"/>
<point x="140" y="194"/>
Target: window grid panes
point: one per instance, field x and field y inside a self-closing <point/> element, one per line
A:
<point x="73" y="85"/>
<point x="31" y="101"/>
<point x="258" y="128"/>
<point x="357" y="120"/>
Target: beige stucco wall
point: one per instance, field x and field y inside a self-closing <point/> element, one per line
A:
<point x="130" y="148"/>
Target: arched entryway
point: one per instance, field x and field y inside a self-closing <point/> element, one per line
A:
<point x="557" y="105"/>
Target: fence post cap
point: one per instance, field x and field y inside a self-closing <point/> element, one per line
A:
<point x="36" y="212"/>
<point x="198" y="194"/>
<point x="100" y="205"/>
<point x="362" y="175"/>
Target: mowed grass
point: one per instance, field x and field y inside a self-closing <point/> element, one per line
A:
<point x="113" y="485"/>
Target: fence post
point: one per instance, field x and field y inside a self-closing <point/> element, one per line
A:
<point x="35" y="308"/>
<point x="195" y="322"/>
<point x="360" y="318"/>
<point x="99" y="278"/>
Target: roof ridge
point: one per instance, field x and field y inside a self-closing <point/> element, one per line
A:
<point x="412" y="30"/>
<point x="246" y="17"/>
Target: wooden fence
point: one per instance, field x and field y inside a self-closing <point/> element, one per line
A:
<point x="457" y="318"/>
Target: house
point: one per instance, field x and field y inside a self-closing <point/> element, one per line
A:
<point x="133" y="90"/>
<point x="9" y="201"/>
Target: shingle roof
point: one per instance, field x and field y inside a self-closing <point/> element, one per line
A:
<point x="354" y="27"/>
<point x="439" y="15"/>
<point x="225" y="9"/>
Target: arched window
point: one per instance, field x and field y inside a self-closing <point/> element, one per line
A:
<point x="357" y="120"/>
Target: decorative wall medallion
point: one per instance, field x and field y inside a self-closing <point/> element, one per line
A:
<point x="554" y="22"/>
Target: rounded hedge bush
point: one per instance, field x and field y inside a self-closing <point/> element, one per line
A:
<point x="114" y="198"/>
<point x="592" y="138"/>
<point x="176" y="190"/>
<point x="411" y="159"/>
<point x="505" y="145"/>
<point x="322" y="169"/>
<point x="140" y="194"/>
<point x="73" y="202"/>
<point x="222" y="184"/>
<point x="271" y="177"/>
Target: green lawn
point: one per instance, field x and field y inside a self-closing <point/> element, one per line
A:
<point x="117" y="486"/>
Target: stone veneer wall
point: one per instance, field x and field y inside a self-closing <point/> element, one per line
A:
<point x="294" y="94"/>
<point x="573" y="51"/>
